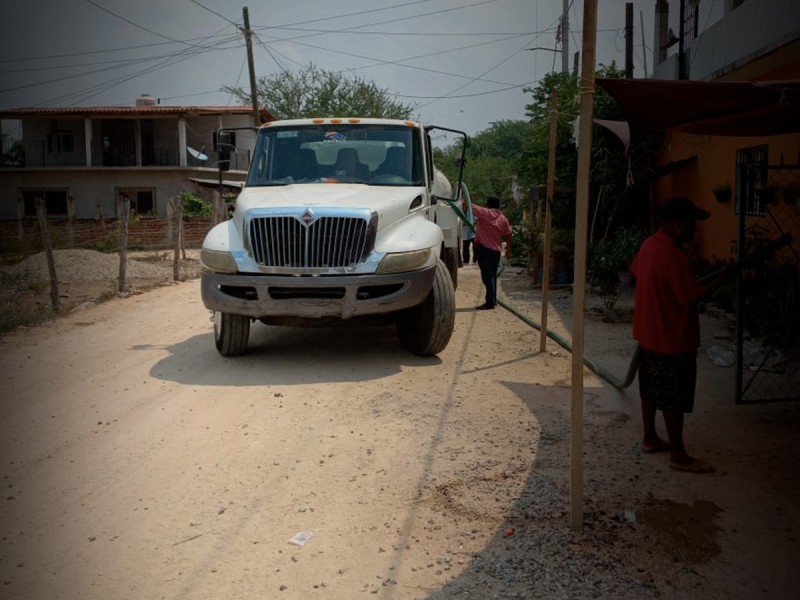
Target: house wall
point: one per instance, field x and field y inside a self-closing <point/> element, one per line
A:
<point x="93" y="188"/>
<point x="716" y="164"/>
<point x="754" y="28"/>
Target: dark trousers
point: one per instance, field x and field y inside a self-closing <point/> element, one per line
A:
<point x="489" y="262"/>
<point x="465" y="245"/>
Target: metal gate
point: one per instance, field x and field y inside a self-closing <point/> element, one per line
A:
<point x="768" y="296"/>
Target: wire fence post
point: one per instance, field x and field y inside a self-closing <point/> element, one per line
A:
<point x="177" y="218"/>
<point x="41" y="213"/>
<point x="123" y="210"/>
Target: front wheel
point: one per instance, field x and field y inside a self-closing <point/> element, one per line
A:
<point x="425" y="329"/>
<point x="450" y="257"/>
<point x="231" y="333"/>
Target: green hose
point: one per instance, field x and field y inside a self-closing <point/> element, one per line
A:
<point x="596" y="369"/>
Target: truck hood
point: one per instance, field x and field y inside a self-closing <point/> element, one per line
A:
<point x="392" y="203"/>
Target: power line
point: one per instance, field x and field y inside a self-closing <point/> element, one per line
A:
<point x="224" y="18"/>
<point x="105" y="50"/>
<point x="348" y="29"/>
<point x="132" y="62"/>
<point x="129" y="22"/>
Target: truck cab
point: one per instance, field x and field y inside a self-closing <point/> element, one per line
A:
<point x="339" y="219"/>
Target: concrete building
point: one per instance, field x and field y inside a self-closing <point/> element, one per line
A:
<point x="83" y="161"/>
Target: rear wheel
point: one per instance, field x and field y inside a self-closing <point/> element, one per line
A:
<point x="450" y="257"/>
<point x="231" y="333"/>
<point x="425" y="329"/>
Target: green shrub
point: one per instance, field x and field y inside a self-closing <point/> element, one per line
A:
<point x="195" y="206"/>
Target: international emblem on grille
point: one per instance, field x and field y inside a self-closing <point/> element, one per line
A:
<point x="310" y="241"/>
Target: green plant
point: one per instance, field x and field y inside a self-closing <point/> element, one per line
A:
<point x="610" y="257"/>
<point x="109" y="243"/>
<point x="195" y="206"/>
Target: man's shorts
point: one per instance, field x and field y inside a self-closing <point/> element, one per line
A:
<point x="668" y="380"/>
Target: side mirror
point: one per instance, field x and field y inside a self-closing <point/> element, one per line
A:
<point x="224" y="161"/>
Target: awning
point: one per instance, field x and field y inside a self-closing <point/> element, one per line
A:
<point x="214" y="183"/>
<point x="730" y="108"/>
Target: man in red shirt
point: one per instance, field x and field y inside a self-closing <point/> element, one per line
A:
<point x="667" y="327"/>
<point x="492" y="229"/>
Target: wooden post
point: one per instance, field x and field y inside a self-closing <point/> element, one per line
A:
<point x="217" y="206"/>
<point x="20" y="218"/>
<point x="548" y="216"/>
<point x="177" y="215"/>
<point x="579" y="288"/>
<point x="41" y="213"/>
<point x="71" y="220"/>
<point x="123" y="212"/>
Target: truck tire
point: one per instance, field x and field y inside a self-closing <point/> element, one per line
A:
<point x="425" y="329"/>
<point x="450" y="257"/>
<point x="231" y="333"/>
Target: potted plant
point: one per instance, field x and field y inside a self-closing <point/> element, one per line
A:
<point x="722" y="192"/>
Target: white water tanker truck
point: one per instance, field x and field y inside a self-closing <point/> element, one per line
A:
<point x="339" y="221"/>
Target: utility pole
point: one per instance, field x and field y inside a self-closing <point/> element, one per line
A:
<point x="681" y="47"/>
<point x="250" y="66"/>
<point x="629" y="40"/>
<point x="565" y="37"/>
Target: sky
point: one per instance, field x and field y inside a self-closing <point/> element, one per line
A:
<point x="463" y="64"/>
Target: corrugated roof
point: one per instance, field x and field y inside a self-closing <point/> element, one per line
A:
<point x="127" y="111"/>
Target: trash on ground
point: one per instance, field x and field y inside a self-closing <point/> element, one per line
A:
<point x="300" y="538"/>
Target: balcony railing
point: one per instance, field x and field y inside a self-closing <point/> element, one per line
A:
<point x="37" y="153"/>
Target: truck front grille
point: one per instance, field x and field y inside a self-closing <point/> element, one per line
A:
<point x="327" y="242"/>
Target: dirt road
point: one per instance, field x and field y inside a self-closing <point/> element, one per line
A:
<point x="138" y="463"/>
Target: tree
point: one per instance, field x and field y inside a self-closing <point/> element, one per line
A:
<point x="315" y="92"/>
<point x="492" y="161"/>
<point x="619" y="180"/>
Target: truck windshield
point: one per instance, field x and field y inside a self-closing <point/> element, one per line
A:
<point x="369" y="154"/>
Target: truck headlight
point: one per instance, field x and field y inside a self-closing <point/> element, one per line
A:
<point x="398" y="262"/>
<point x="218" y="261"/>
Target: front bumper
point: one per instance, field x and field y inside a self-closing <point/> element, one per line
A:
<point x="341" y="296"/>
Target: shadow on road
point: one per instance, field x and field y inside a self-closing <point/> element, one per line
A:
<point x="290" y="356"/>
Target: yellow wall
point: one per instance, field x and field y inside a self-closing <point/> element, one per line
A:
<point x="716" y="164"/>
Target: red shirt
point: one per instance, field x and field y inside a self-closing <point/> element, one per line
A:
<point x="492" y="227"/>
<point x="665" y="318"/>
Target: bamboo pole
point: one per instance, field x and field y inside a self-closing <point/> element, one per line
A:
<point x="579" y="287"/>
<point x="41" y="213"/>
<point x="548" y="217"/>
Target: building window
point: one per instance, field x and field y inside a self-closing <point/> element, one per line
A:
<point x="61" y="140"/>
<point x="142" y="199"/>
<point x="55" y="200"/>
<point x="751" y="173"/>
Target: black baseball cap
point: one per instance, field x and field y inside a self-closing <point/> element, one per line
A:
<point x="680" y="209"/>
